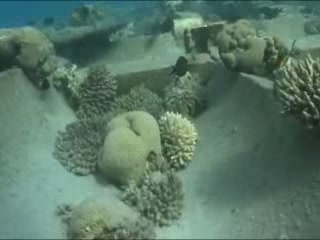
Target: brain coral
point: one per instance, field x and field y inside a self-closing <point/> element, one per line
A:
<point x="142" y="124"/>
<point x="96" y="92"/>
<point x="123" y="156"/>
<point x="298" y="90"/>
<point x="130" y="138"/>
<point x="178" y="137"/>
<point x="185" y="95"/>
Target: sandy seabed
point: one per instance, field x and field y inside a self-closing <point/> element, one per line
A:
<point x="255" y="173"/>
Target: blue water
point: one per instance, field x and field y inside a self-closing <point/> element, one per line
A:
<point x="18" y="13"/>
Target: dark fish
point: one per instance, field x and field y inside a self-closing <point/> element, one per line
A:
<point x="181" y="67"/>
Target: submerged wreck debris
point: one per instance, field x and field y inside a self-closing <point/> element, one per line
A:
<point x="123" y="33"/>
<point x="28" y="49"/>
<point x="77" y="148"/>
<point x="298" y="90"/>
<point x="312" y="27"/>
<point x="86" y="14"/>
<point x="159" y="198"/>
<point x="82" y="44"/>
<point x="139" y="98"/>
<point x="179" y="137"/>
<point x="242" y="50"/>
<point x="185" y="95"/>
<point x="130" y="139"/>
<point x="104" y="217"/>
<point x="96" y="92"/>
<point x="72" y="35"/>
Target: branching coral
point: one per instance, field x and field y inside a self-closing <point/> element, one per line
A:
<point x="186" y="95"/>
<point x="298" y="90"/>
<point x="142" y="229"/>
<point x="178" y="137"/>
<point x="78" y="146"/>
<point x="139" y="98"/>
<point x="96" y="92"/>
<point x="68" y="77"/>
<point x="159" y="198"/>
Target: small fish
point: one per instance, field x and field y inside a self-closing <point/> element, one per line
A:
<point x="181" y="67"/>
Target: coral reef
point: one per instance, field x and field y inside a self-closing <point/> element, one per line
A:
<point x="159" y="198"/>
<point x="96" y="92"/>
<point x="130" y="138"/>
<point x="139" y="98"/>
<point x="185" y="95"/>
<point x="123" y="156"/>
<point x="28" y="49"/>
<point x="142" y="229"/>
<point x="298" y="90"/>
<point x="156" y="162"/>
<point x="68" y="78"/>
<point x="105" y="217"/>
<point x="77" y="147"/>
<point x="239" y="47"/>
<point x="179" y="137"/>
<point x="275" y="54"/>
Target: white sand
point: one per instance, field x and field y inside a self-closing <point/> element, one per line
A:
<point x="32" y="182"/>
<point x="255" y="174"/>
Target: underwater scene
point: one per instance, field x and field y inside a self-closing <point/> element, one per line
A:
<point x="160" y="119"/>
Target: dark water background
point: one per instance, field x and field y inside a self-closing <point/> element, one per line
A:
<point x="19" y="13"/>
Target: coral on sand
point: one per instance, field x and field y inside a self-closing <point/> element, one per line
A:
<point x="28" y="49"/>
<point x="159" y="198"/>
<point x="68" y="77"/>
<point x="123" y="156"/>
<point x="96" y="92"/>
<point x="130" y="138"/>
<point x="77" y="148"/>
<point x="106" y="217"/>
<point x="239" y="47"/>
<point x="185" y="95"/>
<point x="275" y="53"/>
<point x="142" y="229"/>
<point x="179" y="137"/>
<point x="139" y="98"/>
<point x="298" y="90"/>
